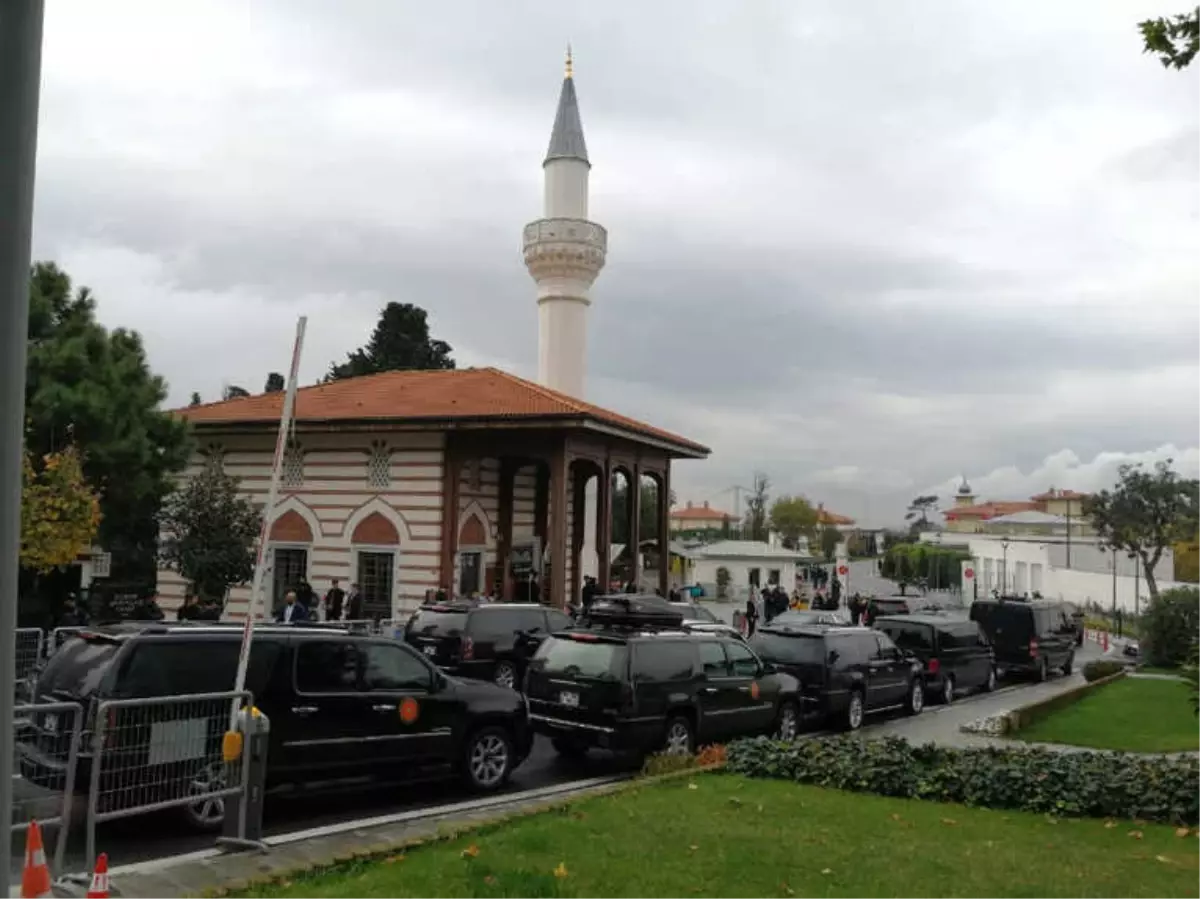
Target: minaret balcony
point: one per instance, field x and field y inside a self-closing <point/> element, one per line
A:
<point x="565" y="247"/>
<point x="588" y="235"/>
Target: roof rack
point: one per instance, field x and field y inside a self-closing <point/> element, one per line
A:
<point x="633" y="612"/>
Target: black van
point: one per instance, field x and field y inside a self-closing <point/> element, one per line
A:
<point x="332" y="699"/>
<point x="1028" y="636"/>
<point x="956" y="653"/>
<point x="485" y="641"/>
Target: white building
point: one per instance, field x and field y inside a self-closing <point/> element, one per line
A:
<point x="751" y="565"/>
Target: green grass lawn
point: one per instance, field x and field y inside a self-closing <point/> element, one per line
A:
<point x="1130" y="714"/>
<point x="722" y="835"/>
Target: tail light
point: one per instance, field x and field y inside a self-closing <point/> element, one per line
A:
<point x="468" y="649"/>
<point x="1033" y="647"/>
<point x="933" y="666"/>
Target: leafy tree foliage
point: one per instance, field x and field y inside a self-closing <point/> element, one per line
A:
<point x="195" y="400"/>
<point x="1187" y="561"/>
<point x="400" y="342"/>
<point x="1169" y="626"/>
<point x="233" y="392"/>
<point x="60" y="512"/>
<point x="919" y="509"/>
<point x="794" y="517"/>
<point x="939" y="566"/>
<point x="647" y="515"/>
<point x="208" y="533"/>
<point x="275" y="383"/>
<point x="93" y="387"/>
<point x="757" y="520"/>
<point x="831" y="538"/>
<point x="1174" y="40"/>
<point x="1145" y="513"/>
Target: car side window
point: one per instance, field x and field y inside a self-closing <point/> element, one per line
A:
<point x="394" y="668"/>
<point x="556" y="620"/>
<point x="492" y="624"/>
<point x="528" y="620"/>
<point x="673" y="661"/>
<point x="884" y="647"/>
<point x="712" y="658"/>
<point x="327" y="666"/>
<point x="741" y="660"/>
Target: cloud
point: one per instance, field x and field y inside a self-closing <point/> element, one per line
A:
<point x="860" y="250"/>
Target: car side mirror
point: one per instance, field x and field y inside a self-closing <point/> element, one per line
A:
<point x="768" y="668"/>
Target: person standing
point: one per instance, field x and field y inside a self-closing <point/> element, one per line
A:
<point x="292" y="609"/>
<point x="333" y="602"/>
<point x="751" y="616"/>
<point x="354" y="604"/>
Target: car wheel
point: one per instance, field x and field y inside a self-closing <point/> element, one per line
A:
<point x="488" y="758"/>
<point x="1069" y="664"/>
<point x="990" y="684"/>
<point x="787" y="724"/>
<point x="569" y="748"/>
<point x="854" y="711"/>
<point x="947" y="690"/>
<point x="679" y="739"/>
<point x="916" y="697"/>
<point x="505" y="675"/>
<point x="1042" y="671"/>
<point x="207" y="814"/>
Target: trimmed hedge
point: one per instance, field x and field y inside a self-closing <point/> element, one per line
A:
<point x="1066" y="784"/>
<point x="1098" y="669"/>
<point x="1025" y="715"/>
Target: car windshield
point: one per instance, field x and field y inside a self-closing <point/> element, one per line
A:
<point x="890" y="606"/>
<point x="601" y="660"/>
<point x="913" y="637"/>
<point x="77" y="668"/>
<point x="695" y="612"/>
<point x="438" y="622"/>
<point x="803" y="649"/>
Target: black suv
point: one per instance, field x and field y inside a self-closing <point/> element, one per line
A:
<point x="957" y="655"/>
<point x="845" y="672"/>
<point x="1030" y="636"/>
<point x="332" y="699"/>
<point x="486" y="641"/>
<point x="620" y="683"/>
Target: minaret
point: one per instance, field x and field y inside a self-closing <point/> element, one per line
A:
<point x="564" y="252"/>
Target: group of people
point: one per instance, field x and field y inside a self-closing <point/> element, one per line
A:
<point x="300" y="604"/>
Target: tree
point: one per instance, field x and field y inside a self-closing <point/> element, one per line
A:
<point x="1187" y="561"/>
<point x="793" y="517"/>
<point x="60" y="512"/>
<point x="918" y="511"/>
<point x="400" y="342"/>
<point x="831" y="537"/>
<point x="233" y="392"/>
<point x="647" y="517"/>
<point x="275" y="383"/>
<point x="756" y="520"/>
<point x="1169" y="626"/>
<point x="195" y="401"/>
<point x="1146" y="513"/>
<point x="1174" y="40"/>
<point x="93" y="387"/>
<point x="208" y="533"/>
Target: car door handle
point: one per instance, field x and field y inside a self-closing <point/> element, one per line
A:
<point x="304" y="710"/>
<point x="385" y="707"/>
<point x="710" y="690"/>
<point x="744" y="689"/>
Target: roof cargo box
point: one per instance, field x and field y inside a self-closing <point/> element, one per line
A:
<point x="633" y="610"/>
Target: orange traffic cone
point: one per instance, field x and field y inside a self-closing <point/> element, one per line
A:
<point x="99" y="887"/>
<point x="1104" y="641"/>
<point x="35" y="879"/>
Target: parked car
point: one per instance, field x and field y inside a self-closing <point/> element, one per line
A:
<point x="796" y="617"/>
<point x="1028" y="636"/>
<point x="325" y="692"/>
<point x="698" y="618"/>
<point x="955" y="652"/>
<point x="845" y="672"/>
<point x="484" y="641"/>
<point x="878" y="606"/>
<point x="633" y="678"/>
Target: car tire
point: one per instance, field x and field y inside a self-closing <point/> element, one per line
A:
<point x="505" y="675"/>
<point x="855" y="710"/>
<point x="990" y="683"/>
<point x="1069" y="665"/>
<point x="915" y="701"/>
<point x="679" y="737"/>
<point x="1043" y="671"/>
<point x="947" y="695"/>
<point x="206" y="815"/>
<point x="568" y="748"/>
<point x="487" y="758"/>
<point x="787" y="722"/>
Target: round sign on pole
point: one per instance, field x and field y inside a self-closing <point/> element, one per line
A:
<point x="968" y="573"/>
<point x="843" y="570"/>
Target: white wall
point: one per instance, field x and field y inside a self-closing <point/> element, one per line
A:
<point x="704" y="573"/>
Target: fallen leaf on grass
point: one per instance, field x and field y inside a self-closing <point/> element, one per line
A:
<point x="733" y="800"/>
<point x="489" y="880"/>
<point x="692" y="786"/>
<point x="1163" y="859"/>
<point x="1181" y="831"/>
<point x="895" y="816"/>
<point x="827" y="870"/>
<point x="1110" y="824"/>
<point x="787" y="889"/>
<point x="760" y="806"/>
<point x="693" y="848"/>
<point x="1136" y="834"/>
<point x="561" y="871"/>
<point x="471" y="851"/>
<point x="392" y="859"/>
<point x="949" y="821"/>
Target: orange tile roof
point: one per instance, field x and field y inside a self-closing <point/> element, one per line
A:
<point x="989" y="510"/>
<point x="700" y="513"/>
<point x="824" y="516"/>
<point x="481" y="393"/>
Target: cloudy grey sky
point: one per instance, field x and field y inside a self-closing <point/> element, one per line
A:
<point x="861" y="247"/>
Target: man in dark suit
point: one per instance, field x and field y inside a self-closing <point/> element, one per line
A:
<point x="333" y="602"/>
<point x="291" y="610"/>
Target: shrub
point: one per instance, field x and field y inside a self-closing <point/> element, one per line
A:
<point x="711" y="755"/>
<point x="1098" y="669"/>
<point x="1169" y="626"/>
<point x="1191" y="674"/>
<point x="1070" y="784"/>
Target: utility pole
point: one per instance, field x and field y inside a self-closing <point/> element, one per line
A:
<point x="20" y="78"/>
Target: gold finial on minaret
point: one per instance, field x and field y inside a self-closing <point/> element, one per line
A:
<point x="570" y="64"/>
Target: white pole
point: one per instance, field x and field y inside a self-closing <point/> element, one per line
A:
<point x="285" y="422"/>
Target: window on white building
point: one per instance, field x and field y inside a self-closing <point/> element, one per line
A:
<point x="293" y="466"/>
<point x="379" y="466"/>
<point x="755" y="577"/>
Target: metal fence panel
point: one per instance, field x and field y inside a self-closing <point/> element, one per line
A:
<point x="59" y="636"/>
<point x="163" y="752"/>
<point x="28" y="644"/>
<point x="46" y="737"/>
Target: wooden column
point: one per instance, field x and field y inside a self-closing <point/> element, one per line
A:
<point x="508" y="471"/>
<point x="578" y="525"/>
<point x="664" y="529"/>
<point x="451" y="477"/>
<point x="634" y="507"/>
<point x="541" y="514"/>
<point x="557" y="510"/>
<point x="604" y="525"/>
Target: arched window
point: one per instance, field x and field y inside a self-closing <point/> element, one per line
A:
<point x="293" y="465"/>
<point x="379" y="466"/>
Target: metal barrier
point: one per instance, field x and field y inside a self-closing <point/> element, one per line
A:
<point x="29" y="642"/>
<point x="163" y="752"/>
<point x="59" y="636"/>
<point x="47" y="738"/>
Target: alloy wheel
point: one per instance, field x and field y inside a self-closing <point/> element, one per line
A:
<point x="854" y="715"/>
<point x="209" y="811"/>
<point x="916" y="700"/>
<point x="506" y="675"/>
<point x="679" y="738"/>
<point x="947" y="690"/>
<point x="788" y="726"/>
<point x="488" y="760"/>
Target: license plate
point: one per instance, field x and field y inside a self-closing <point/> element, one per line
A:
<point x="430" y="650"/>
<point x="571" y="700"/>
<point x="50" y="723"/>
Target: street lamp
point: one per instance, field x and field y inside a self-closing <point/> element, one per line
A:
<point x="1004" y="568"/>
